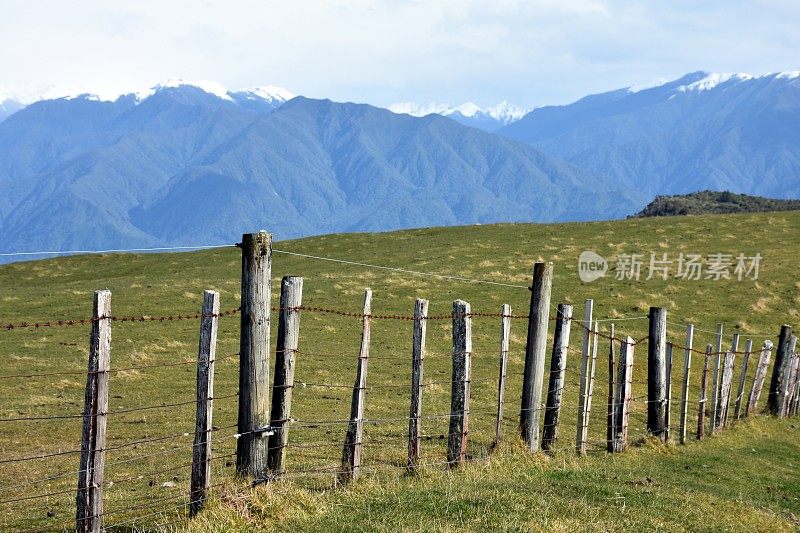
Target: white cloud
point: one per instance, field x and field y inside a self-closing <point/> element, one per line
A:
<point x="530" y="52"/>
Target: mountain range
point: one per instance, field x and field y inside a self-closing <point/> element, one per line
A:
<point x="703" y="131"/>
<point x="193" y="164"/>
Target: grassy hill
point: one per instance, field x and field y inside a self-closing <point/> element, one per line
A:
<point x="714" y="202"/>
<point x="741" y="479"/>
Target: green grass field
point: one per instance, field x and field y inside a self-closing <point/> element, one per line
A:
<point x="741" y="479"/>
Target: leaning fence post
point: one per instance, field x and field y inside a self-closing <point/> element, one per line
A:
<point x="417" y="368"/>
<point x="715" y="380"/>
<point x="351" y="451"/>
<point x="656" y="372"/>
<point x="283" y="383"/>
<point x="253" y="423"/>
<point x="687" y="365"/>
<point x="701" y="411"/>
<point x="505" y="332"/>
<point x="668" y="402"/>
<point x="89" y="499"/>
<point x="583" y="391"/>
<point x="460" y="384"/>
<point x="201" y="451"/>
<point x="610" y="414"/>
<point x="623" y="394"/>
<point x="748" y="348"/>
<point x="758" y="379"/>
<point x="535" y="354"/>
<point x="555" y="383"/>
<point x="780" y="374"/>
<point x="725" y="388"/>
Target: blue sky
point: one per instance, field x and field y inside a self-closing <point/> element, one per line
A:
<point x="531" y="53"/>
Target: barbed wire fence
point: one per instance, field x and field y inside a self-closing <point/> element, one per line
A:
<point x="462" y="419"/>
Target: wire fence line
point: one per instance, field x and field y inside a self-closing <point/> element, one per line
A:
<point x="385" y="446"/>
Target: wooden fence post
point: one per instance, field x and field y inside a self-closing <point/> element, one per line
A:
<point x="535" y="354"/>
<point x="687" y="365"/>
<point x="610" y="411"/>
<point x="758" y="379"/>
<point x="656" y="372"/>
<point x="623" y="394"/>
<point x="780" y="372"/>
<point x="89" y="499"/>
<point x="201" y="451"/>
<point x="668" y="402"/>
<point x="460" y="384"/>
<point x="286" y="349"/>
<point x="351" y="451"/>
<point x="555" y="384"/>
<point x="748" y="348"/>
<point x="253" y="422"/>
<point x="796" y="380"/>
<point x="725" y="388"/>
<point x="791" y="382"/>
<point x="417" y="373"/>
<point x="590" y="392"/>
<point x="735" y="351"/>
<point x="505" y="332"/>
<point x="715" y="381"/>
<point x="583" y="390"/>
<point x="702" y="404"/>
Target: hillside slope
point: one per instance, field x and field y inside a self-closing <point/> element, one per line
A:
<point x="702" y="131"/>
<point x="740" y="480"/>
<point x="714" y="202"/>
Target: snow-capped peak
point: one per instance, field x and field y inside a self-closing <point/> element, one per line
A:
<point x="271" y="93"/>
<point x="503" y="112"/>
<point x="210" y="87"/>
<point x="713" y="80"/>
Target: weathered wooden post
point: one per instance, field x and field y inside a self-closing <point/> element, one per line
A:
<point x="351" y="450"/>
<point x="417" y="372"/>
<point x="89" y="500"/>
<point x="610" y="413"/>
<point x="715" y="380"/>
<point x="656" y="372"/>
<point x="286" y="349"/>
<point x="701" y="410"/>
<point x="687" y="365"/>
<point x="748" y="348"/>
<point x="725" y="389"/>
<point x="590" y="392"/>
<point x="758" y="379"/>
<point x="791" y="381"/>
<point x="668" y="402"/>
<point x="583" y="390"/>
<point x="201" y="451"/>
<point x="505" y="332"/>
<point x="796" y="378"/>
<point x="253" y="424"/>
<point x="780" y="372"/>
<point x="460" y="386"/>
<point x="535" y="354"/>
<point x="623" y="394"/>
<point x="555" y="384"/>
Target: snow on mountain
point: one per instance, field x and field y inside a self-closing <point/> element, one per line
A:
<point x="13" y="99"/>
<point x="715" y="79"/>
<point x="272" y="93"/>
<point x="487" y="118"/>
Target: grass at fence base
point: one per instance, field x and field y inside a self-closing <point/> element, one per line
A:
<point x="171" y="284"/>
<point x="739" y="480"/>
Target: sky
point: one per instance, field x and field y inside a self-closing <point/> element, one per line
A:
<point x="531" y="53"/>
